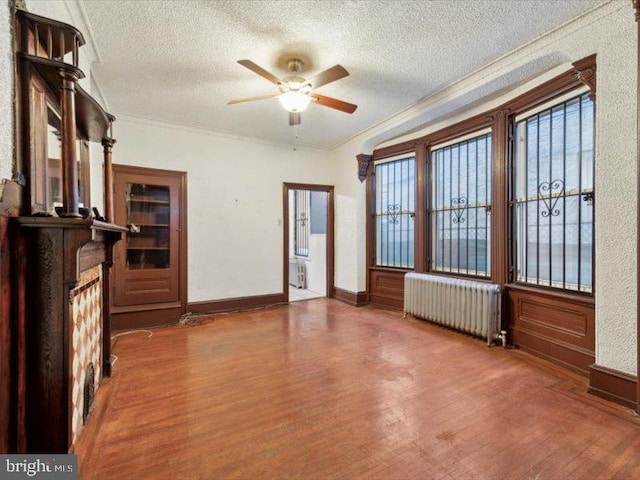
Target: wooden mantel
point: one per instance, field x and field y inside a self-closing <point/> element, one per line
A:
<point x="51" y="255"/>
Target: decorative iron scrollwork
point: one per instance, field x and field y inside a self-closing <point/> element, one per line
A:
<point x="589" y="198"/>
<point x="303" y="219"/>
<point x="553" y="187"/>
<point x="393" y="210"/>
<point x="461" y="203"/>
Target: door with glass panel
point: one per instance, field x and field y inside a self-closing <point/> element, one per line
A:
<point x="148" y="267"/>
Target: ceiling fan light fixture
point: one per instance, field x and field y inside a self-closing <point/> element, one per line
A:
<point x="294" y="101"/>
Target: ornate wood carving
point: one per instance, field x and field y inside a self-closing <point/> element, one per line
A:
<point x="52" y="259"/>
<point x="364" y="161"/>
<point x="69" y="154"/>
<point x="107" y="144"/>
<point x="585" y="72"/>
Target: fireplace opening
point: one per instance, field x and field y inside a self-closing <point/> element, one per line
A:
<point x="89" y="392"/>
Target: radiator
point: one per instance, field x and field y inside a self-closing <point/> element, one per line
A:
<point x="297" y="273"/>
<point x="465" y="305"/>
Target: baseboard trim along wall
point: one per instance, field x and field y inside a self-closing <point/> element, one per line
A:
<point x="613" y="385"/>
<point x="356" y="299"/>
<point x="236" y="304"/>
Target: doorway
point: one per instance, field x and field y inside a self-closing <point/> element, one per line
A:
<point x="308" y="219"/>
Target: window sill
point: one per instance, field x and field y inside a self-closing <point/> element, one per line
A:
<point x="390" y="269"/>
<point x="575" y="297"/>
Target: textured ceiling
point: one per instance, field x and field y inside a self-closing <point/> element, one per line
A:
<point x="176" y="60"/>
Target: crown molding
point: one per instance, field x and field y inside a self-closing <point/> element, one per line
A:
<point x="482" y="76"/>
<point x="81" y="21"/>
<point x="150" y="121"/>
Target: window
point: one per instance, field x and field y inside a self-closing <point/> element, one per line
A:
<point x="461" y="202"/>
<point x="553" y="194"/>
<point x="301" y="230"/>
<point x="394" y="211"/>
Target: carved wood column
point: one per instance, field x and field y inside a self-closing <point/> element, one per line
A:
<point x="422" y="250"/>
<point x="499" y="212"/>
<point x="365" y="172"/>
<point x="636" y="6"/>
<point x="70" y="197"/>
<point x="107" y="144"/>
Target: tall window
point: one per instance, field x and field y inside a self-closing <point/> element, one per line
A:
<point x="461" y="202"/>
<point x="302" y="223"/>
<point x="553" y="194"/>
<point x="394" y="212"/>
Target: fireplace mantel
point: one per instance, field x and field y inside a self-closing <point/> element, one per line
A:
<point x="55" y="261"/>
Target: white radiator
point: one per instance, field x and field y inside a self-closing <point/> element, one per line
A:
<point x="466" y="305"/>
<point x="297" y="273"/>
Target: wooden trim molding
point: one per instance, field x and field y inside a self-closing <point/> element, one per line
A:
<point x="330" y="265"/>
<point x="356" y="299"/>
<point x="236" y="304"/>
<point x="398" y="149"/>
<point x="612" y="385"/>
<point x="585" y="72"/>
<point x="556" y="87"/>
<point x="469" y="125"/>
<point x="364" y="163"/>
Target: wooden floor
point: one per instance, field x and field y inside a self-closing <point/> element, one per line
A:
<point x="320" y="389"/>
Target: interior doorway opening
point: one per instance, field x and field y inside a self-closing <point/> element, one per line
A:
<point x="308" y="242"/>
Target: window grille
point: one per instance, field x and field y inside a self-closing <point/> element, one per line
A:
<point x="301" y="230"/>
<point x="460" y="206"/>
<point x="553" y="195"/>
<point x="394" y="212"/>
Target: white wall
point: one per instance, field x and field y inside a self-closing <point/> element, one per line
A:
<point x="234" y="200"/>
<point x="6" y="93"/>
<point x="317" y="263"/>
<point x="609" y="31"/>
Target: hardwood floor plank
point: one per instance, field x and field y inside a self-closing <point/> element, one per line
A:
<point x="320" y="389"/>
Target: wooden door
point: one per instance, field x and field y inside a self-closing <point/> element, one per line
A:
<point x="149" y="265"/>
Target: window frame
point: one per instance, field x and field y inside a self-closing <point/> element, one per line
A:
<point x="470" y="133"/>
<point x="544" y="103"/>
<point x="399" y="157"/>
<point x="304" y="226"/>
<point x="581" y="73"/>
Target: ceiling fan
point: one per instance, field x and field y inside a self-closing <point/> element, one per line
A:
<point x="296" y="92"/>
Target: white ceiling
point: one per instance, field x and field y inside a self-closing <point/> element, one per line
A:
<point x="176" y="60"/>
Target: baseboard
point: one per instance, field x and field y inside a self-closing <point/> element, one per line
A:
<point x="236" y="304"/>
<point x="145" y="318"/>
<point x="358" y="299"/>
<point x="613" y="385"/>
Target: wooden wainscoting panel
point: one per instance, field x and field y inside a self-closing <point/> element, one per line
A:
<point x="613" y="385"/>
<point x="556" y="326"/>
<point x="535" y="312"/>
<point x="356" y="299"/>
<point x="386" y="288"/>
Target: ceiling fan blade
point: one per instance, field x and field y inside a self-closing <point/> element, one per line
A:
<point x="333" y="103"/>
<point x="259" y="70"/>
<point x="330" y="75"/>
<point x="251" y="99"/>
<point x="295" y="118"/>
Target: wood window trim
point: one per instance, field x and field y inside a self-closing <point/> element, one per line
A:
<point x="406" y="150"/>
<point x="467" y="127"/>
<point x="583" y="72"/>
